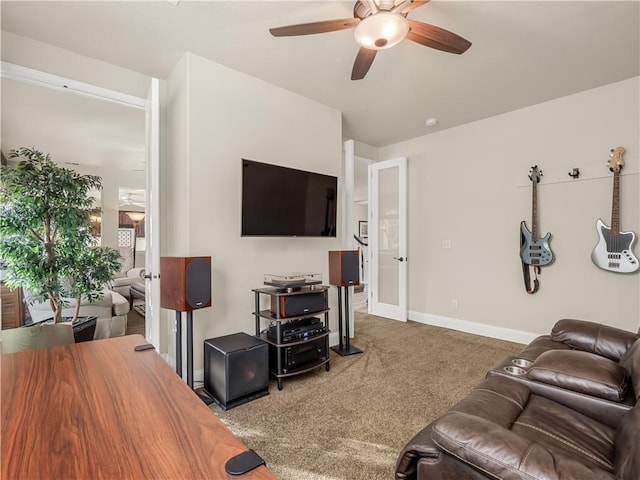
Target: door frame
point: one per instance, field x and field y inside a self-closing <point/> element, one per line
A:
<point x="152" y="145"/>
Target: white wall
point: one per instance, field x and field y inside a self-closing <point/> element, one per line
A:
<point x="469" y="185"/>
<point x="216" y="117"/>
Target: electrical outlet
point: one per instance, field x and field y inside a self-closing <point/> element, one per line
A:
<point x="446" y="243"/>
<point x="454" y="304"/>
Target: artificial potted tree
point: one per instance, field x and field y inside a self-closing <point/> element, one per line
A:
<point x="47" y="245"/>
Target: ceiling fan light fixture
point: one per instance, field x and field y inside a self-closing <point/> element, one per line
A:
<point x="381" y="30"/>
<point x="136" y="216"/>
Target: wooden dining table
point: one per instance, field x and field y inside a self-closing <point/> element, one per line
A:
<point x="100" y="410"/>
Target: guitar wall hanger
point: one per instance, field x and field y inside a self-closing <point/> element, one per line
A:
<point x="563" y="175"/>
<point x="575" y="173"/>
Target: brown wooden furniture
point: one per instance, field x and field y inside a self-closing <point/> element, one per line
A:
<point x="12" y="309"/>
<point x="101" y="410"/>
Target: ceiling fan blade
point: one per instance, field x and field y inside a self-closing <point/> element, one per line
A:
<point x="314" y="27"/>
<point x="414" y="4"/>
<point x="363" y="62"/>
<point x="436" y="37"/>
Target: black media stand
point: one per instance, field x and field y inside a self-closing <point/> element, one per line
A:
<point x="346" y="348"/>
<point x="299" y="343"/>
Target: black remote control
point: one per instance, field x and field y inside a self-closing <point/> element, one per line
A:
<point x="146" y="346"/>
<point x="243" y="463"/>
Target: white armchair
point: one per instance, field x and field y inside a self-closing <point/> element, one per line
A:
<point x="123" y="279"/>
<point x="111" y="311"/>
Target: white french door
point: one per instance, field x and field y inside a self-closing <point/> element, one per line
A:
<point x="388" y="239"/>
<point x="152" y="218"/>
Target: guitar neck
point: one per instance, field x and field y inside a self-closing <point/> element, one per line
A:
<point x="534" y="211"/>
<point x="615" y="208"/>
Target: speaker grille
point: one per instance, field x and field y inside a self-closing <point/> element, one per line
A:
<point x="301" y="304"/>
<point x="350" y="274"/>
<point x="198" y="279"/>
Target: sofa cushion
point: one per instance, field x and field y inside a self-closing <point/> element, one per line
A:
<point x="581" y="372"/>
<point x="561" y="429"/>
<point x="631" y="362"/>
<point x="593" y="337"/>
<point x="496" y="399"/>
<point x="503" y="454"/>
<point x="627" y="440"/>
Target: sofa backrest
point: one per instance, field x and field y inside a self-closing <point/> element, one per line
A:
<point x="627" y="441"/>
<point x="101" y="308"/>
<point x="603" y="340"/>
<point x="126" y="261"/>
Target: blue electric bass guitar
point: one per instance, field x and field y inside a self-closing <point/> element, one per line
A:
<point x="613" y="251"/>
<point x="534" y="250"/>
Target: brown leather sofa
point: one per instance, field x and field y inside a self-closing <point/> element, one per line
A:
<point x="568" y="412"/>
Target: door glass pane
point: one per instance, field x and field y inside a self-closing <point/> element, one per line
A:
<point x="388" y="241"/>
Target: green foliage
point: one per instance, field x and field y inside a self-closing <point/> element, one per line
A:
<point x="45" y="231"/>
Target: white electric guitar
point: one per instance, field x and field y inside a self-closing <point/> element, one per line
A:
<point x="614" y="249"/>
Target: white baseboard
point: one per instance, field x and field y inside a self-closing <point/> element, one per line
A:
<point x="502" y="333"/>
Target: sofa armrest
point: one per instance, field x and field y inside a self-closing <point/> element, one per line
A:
<point x="501" y="453"/>
<point x="420" y="446"/>
<point x="120" y="305"/>
<point x="581" y="372"/>
<point x="609" y="342"/>
<point x="136" y="273"/>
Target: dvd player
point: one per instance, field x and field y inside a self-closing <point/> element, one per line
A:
<point x="297" y="330"/>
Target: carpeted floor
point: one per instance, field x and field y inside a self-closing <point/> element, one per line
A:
<point x="352" y="422"/>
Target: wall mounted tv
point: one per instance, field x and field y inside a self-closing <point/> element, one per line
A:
<point x="285" y="202"/>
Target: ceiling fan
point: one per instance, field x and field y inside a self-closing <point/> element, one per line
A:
<point x="132" y="198"/>
<point x="381" y="24"/>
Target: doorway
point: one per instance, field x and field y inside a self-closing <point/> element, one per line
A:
<point x="32" y="98"/>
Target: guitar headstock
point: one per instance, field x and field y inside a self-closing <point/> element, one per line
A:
<point x="617" y="162"/>
<point x="535" y="174"/>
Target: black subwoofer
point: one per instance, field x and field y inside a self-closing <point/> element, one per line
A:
<point x="236" y="369"/>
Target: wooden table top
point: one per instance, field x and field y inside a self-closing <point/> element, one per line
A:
<point x="98" y="409"/>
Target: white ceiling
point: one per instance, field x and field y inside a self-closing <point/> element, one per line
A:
<point x="523" y="53"/>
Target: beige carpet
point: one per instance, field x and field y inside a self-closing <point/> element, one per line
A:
<point x="352" y="422"/>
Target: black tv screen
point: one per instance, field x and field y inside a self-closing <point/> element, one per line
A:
<point x="281" y="201"/>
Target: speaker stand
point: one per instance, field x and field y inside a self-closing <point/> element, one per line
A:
<point x="347" y="348"/>
<point x="205" y="399"/>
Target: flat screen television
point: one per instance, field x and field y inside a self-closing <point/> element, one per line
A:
<point x="286" y="202"/>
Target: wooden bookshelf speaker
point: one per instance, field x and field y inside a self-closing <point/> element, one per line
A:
<point x="344" y="268"/>
<point x="185" y="283"/>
